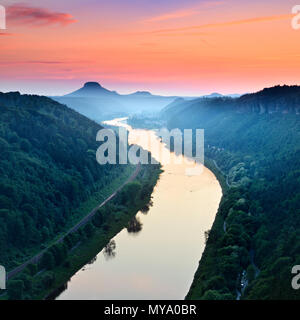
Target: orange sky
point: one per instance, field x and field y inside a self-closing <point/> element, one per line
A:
<point x="182" y="47"/>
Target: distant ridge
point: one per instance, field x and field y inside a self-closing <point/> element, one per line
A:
<point x="213" y="95"/>
<point x="142" y="94"/>
<point x="91" y="89"/>
<point x="99" y="103"/>
<point x="275" y="100"/>
<point x="219" y="95"/>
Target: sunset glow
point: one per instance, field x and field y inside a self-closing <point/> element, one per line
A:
<point x="190" y="48"/>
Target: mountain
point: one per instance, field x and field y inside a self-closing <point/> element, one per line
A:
<point x="252" y="143"/>
<point x="141" y="94"/>
<point x="234" y="95"/>
<point x="99" y="103"/>
<point x="91" y="89"/>
<point x="213" y="95"/>
<point x="94" y="101"/>
<point x="178" y="105"/>
<point x="219" y="95"/>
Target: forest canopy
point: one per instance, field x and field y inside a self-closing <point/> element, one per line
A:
<point x="48" y="168"/>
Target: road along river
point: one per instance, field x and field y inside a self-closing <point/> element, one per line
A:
<point x="157" y="259"/>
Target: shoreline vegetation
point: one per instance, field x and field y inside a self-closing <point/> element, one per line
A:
<point x="217" y="226"/>
<point x="62" y="261"/>
<point x="254" y="241"/>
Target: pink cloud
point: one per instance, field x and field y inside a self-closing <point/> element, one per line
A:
<point x="23" y="14"/>
<point x="6" y="34"/>
<point x="185" y="12"/>
<point x="226" y="24"/>
<point x="174" y="15"/>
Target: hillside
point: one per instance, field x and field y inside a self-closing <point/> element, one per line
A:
<point x="279" y="99"/>
<point x="48" y="169"/>
<point x="254" y="243"/>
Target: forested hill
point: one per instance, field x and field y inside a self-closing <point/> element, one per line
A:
<point x="255" y="240"/>
<point x="279" y="99"/>
<point x="47" y="168"/>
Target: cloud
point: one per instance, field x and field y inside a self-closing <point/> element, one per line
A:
<point x="6" y="34"/>
<point x="44" y="62"/>
<point x="174" y="15"/>
<point x="226" y="24"/>
<point x="185" y="12"/>
<point x="30" y="62"/>
<point x="23" y="14"/>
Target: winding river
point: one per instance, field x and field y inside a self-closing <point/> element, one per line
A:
<point x="159" y="259"/>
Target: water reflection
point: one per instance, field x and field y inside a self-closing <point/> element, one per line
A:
<point x="147" y="207"/>
<point x="86" y="267"/>
<point x="134" y="226"/>
<point x="93" y="260"/>
<point x="109" y="251"/>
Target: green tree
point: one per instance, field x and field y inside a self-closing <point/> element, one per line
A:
<point x="48" y="261"/>
<point x="15" y="289"/>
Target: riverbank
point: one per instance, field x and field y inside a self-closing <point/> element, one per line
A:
<point x="217" y="230"/>
<point x="89" y="206"/>
<point x="211" y="165"/>
<point x="85" y="252"/>
<point x="89" y="241"/>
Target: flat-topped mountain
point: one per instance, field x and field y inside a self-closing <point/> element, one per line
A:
<point x="99" y="103"/>
<point x="92" y="84"/>
<point x="91" y="89"/>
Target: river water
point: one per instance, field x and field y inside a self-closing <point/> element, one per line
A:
<point x="158" y="260"/>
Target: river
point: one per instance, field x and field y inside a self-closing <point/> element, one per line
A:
<point x="159" y="261"/>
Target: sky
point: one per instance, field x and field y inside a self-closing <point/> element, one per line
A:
<point x="169" y="47"/>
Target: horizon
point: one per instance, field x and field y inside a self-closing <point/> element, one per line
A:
<point x="121" y="92"/>
<point x="145" y="90"/>
<point x="171" y="49"/>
